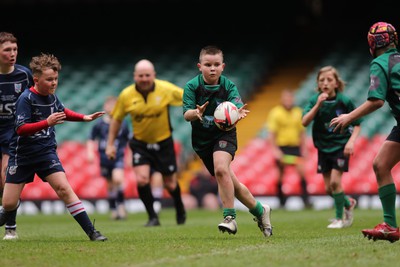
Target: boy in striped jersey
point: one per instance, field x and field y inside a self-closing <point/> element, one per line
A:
<point x="33" y="144"/>
<point x="14" y="79"/>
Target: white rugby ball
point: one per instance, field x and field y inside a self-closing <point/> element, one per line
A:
<point x="226" y="115"/>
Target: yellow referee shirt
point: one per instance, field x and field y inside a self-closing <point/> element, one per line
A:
<point x="286" y="125"/>
<point x="150" y="116"/>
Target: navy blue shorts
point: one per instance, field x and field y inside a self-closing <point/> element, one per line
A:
<point x="5" y="138"/>
<point x="107" y="168"/>
<point x="17" y="174"/>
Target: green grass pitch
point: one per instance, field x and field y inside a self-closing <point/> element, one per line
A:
<point x="300" y="238"/>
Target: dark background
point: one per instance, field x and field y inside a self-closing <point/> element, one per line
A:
<point x="303" y="27"/>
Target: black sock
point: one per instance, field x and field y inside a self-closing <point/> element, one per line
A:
<point x="281" y="195"/>
<point x="11" y="222"/>
<point x="120" y="196"/>
<point x="84" y="221"/>
<point x="11" y="219"/>
<point x="176" y="195"/>
<point x="304" y="190"/>
<point x="147" y="198"/>
<point x="112" y="200"/>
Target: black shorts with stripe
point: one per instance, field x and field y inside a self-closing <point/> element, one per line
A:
<point x="335" y="160"/>
<point x="160" y="156"/>
<point x="227" y="143"/>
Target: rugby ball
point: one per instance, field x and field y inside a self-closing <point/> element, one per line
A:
<point x="226" y="115"/>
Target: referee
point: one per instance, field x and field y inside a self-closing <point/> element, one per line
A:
<point x="147" y="102"/>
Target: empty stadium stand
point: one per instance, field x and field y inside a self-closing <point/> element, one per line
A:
<point x="84" y="84"/>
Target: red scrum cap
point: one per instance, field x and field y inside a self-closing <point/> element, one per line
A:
<point x="381" y="34"/>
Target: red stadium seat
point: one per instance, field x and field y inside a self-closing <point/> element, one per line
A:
<point x="315" y="184"/>
<point x="94" y="188"/>
<point x="291" y="181"/>
<point x="254" y="166"/>
<point x="38" y="190"/>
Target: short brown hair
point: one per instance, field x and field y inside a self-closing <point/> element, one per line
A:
<point x="210" y="50"/>
<point x="44" y="61"/>
<point x="7" y="37"/>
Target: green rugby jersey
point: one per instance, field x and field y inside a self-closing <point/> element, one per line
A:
<point x="325" y="139"/>
<point x="196" y="92"/>
<point x="385" y="80"/>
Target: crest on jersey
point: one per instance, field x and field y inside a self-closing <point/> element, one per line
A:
<point x="340" y="163"/>
<point x="136" y="157"/>
<point x="12" y="170"/>
<point x="18" y="88"/>
<point x="171" y="168"/>
<point x="222" y="144"/>
<point x="20" y="118"/>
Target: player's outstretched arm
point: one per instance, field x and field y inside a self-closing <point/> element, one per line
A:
<point x="196" y="113"/>
<point x="93" y="116"/>
<point x="342" y="121"/>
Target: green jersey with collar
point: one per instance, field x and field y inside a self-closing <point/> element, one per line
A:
<point x="385" y="80"/>
<point x="324" y="138"/>
<point x="196" y="92"/>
